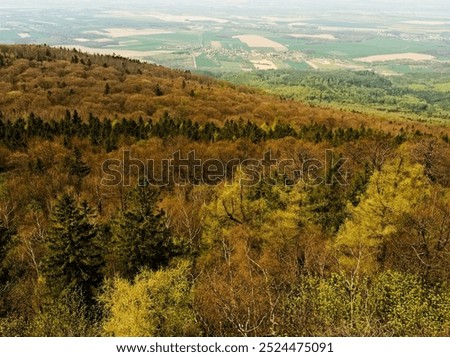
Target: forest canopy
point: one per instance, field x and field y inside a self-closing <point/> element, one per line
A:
<point x="365" y="255"/>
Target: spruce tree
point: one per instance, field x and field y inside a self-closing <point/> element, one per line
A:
<point x="141" y="238"/>
<point x="74" y="260"/>
<point x="78" y="167"/>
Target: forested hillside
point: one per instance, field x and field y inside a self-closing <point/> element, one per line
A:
<point x="348" y="234"/>
<point x="423" y="95"/>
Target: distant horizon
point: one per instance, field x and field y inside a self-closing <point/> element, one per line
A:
<point x="436" y="8"/>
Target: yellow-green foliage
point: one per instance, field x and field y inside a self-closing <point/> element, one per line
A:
<point x="233" y="206"/>
<point x="273" y="216"/>
<point x="281" y="235"/>
<point x="236" y="203"/>
<point x="334" y="306"/>
<point x="157" y="303"/>
<point x="12" y="326"/>
<point x="406" y="306"/>
<point x="388" y="304"/>
<point x="391" y="193"/>
<point x="229" y="207"/>
<point x="66" y="316"/>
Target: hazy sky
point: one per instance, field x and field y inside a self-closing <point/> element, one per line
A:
<point x="439" y="7"/>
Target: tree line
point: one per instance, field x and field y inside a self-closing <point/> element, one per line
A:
<point x="108" y="133"/>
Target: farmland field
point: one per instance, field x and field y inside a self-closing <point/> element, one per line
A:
<point x="396" y="56"/>
<point x="255" y="41"/>
<point x="220" y="41"/>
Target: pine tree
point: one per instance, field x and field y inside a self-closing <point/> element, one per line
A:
<point x="74" y="260"/>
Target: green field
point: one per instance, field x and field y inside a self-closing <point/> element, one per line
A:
<point x="204" y="62"/>
<point x="188" y="38"/>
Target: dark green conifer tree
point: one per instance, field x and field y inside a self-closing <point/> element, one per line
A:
<point x="141" y="237"/>
<point x="78" y="168"/>
<point x="73" y="260"/>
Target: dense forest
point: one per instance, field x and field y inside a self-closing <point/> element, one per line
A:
<point x="420" y="96"/>
<point x="356" y="249"/>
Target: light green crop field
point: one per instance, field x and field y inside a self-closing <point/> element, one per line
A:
<point x="203" y="61"/>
